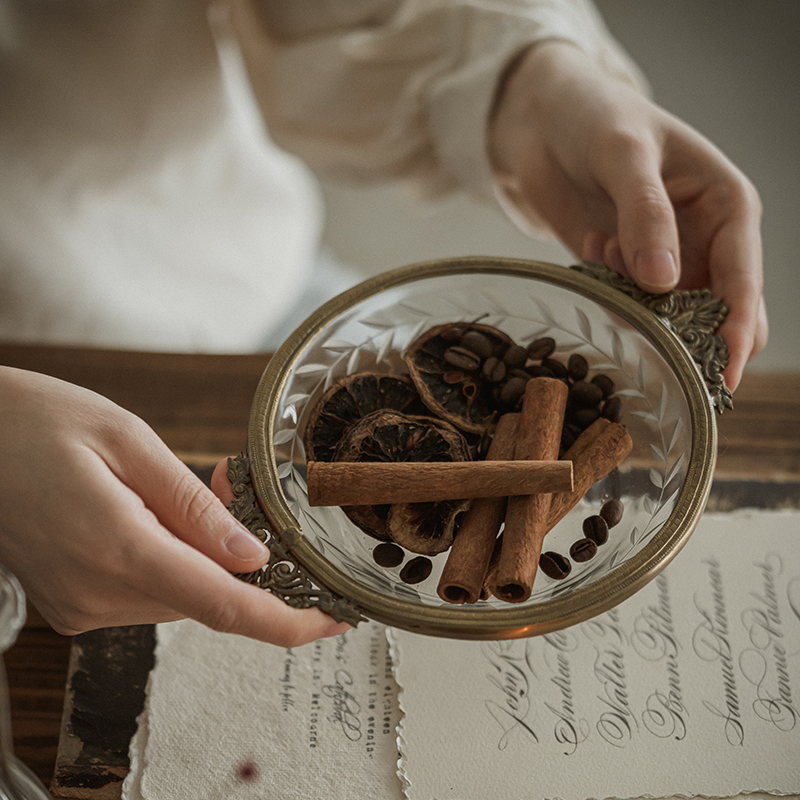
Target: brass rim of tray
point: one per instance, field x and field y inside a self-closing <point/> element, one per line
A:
<point x="491" y="622"/>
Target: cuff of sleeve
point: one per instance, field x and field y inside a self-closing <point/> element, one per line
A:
<point x="461" y="102"/>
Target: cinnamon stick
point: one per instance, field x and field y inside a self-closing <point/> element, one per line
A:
<point x="598" y="450"/>
<point x="526" y="517"/>
<point x="468" y="560"/>
<point x="346" y="483"/>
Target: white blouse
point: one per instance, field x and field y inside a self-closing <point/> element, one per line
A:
<point x="143" y="203"/>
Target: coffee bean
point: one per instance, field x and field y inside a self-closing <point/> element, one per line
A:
<point x="596" y="529"/>
<point x="416" y="570"/>
<point x="612" y="409"/>
<point x="577" y="367"/>
<point x="515" y="357"/>
<point x="494" y="370"/>
<point x="512" y="392"/>
<point x="605" y="383"/>
<point x="452" y="334"/>
<point x="541" y="348"/>
<point x="478" y="343"/>
<point x="388" y="554"/>
<point x="612" y="512"/>
<point x="453" y="376"/>
<point x="556" y="368"/>
<point x="462" y="358"/>
<point x="554" y="565"/>
<point x="583" y="550"/>
<point x="537" y="371"/>
<point x="584" y="417"/>
<point x="584" y="395"/>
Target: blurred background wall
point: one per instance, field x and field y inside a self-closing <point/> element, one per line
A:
<point x="728" y="67"/>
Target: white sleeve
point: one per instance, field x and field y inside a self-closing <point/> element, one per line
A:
<point x="401" y="89"/>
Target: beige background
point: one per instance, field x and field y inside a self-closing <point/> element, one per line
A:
<point x="730" y="68"/>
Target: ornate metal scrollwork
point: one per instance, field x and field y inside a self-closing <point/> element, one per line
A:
<point x="282" y="576"/>
<point x="693" y="315"/>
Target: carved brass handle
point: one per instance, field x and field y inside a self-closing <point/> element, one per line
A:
<point x="693" y="315"/>
<point x="282" y="576"/>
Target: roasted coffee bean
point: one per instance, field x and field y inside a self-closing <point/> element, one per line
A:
<point x="452" y="334"/>
<point x="537" y="371"/>
<point x="584" y="395"/>
<point x="612" y="409"/>
<point x="494" y="370"/>
<point x="416" y="570"/>
<point x="556" y="368"/>
<point x="583" y="550"/>
<point x="541" y="348"/>
<point x="453" y="376"/>
<point x="519" y="373"/>
<point x="512" y="391"/>
<point x="596" y="529"/>
<point x="462" y="358"/>
<point x="478" y="343"/>
<point x="515" y="357"/>
<point x="605" y="383"/>
<point x="612" y="512"/>
<point x="577" y="367"/>
<point x="554" y="565"/>
<point x="584" y="417"/>
<point x="388" y="554"/>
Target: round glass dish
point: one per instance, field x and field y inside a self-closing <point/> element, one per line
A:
<point x="667" y="409"/>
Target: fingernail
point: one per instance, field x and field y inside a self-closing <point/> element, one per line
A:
<point x="242" y="544"/>
<point x="335" y="629"/>
<point x="657" y="269"/>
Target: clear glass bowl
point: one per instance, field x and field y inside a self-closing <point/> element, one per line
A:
<point x="663" y="483"/>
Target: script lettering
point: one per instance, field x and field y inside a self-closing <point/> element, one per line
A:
<point x="509" y="676"/>
<point x="711" y="642"/>
<point x="345" y="706"/>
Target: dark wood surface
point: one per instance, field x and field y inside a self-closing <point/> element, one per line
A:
<point x="200" y="406"/>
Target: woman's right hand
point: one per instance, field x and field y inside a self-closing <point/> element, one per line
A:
<point x="104" y="526"/>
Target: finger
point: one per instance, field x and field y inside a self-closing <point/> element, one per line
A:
<point x="745" y="329"/>
<point x="177" y="574"/>
<point x="736" y="270"/>
<point x="593" y="247"/>
<point x="612" y="254"/>
<point x="220" y="483"/>
<point x="184" y="505"/>
<point x="646" y="226"/>
<point x="182" y="578"/>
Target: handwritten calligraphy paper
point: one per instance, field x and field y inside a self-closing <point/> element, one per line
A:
<point x="690" y="687"/>
<point x="231" y="718"/>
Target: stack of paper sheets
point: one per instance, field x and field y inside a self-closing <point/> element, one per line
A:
<point x="689" y="688"/>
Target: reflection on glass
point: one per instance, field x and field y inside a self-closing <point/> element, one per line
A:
<point x="17" y="782"/>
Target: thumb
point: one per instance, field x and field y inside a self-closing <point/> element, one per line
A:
<point x="191" y="511"/>
<point x="646" y="227"/>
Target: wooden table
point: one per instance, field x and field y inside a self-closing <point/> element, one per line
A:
<point x="200" y="406"/>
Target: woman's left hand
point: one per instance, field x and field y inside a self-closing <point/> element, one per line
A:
<point x="621" y="181"/>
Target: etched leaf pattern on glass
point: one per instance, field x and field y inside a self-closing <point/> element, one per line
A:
<point x="374" y="336"/>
